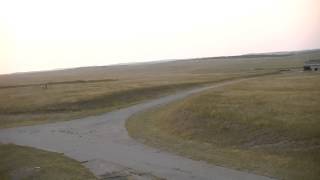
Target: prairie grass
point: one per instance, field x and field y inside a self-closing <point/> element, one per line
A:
<point x="34" y="105"/>
<point x="269" y="126"/>
<point x="82" y="92"/>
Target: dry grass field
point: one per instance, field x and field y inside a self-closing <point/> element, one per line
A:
<point x="269" y="125"/>
<point x="80" y="92"/>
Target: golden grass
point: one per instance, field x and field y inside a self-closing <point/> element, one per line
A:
<point x="82" y="92"/>
<point x="268" y="126"/>
<point x="34" y="105"/>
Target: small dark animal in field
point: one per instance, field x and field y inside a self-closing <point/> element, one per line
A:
<point x="44" y="86"/>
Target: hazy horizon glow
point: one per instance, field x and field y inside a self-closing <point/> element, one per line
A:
<point x="42" y="35"/>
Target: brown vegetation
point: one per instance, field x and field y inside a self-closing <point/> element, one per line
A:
<point x="89" y="91"/>
<point x="269" y="126"/>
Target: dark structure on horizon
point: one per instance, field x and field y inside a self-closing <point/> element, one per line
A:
<point x="312" y="65"/>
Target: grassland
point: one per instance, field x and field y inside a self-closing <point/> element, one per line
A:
<point x="81" y="92"/>
<point x="34" y="105"/>
<point x="269" y="126"/>
<point x="18" y="162"/>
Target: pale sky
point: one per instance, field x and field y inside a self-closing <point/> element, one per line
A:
<point x="42" y="35"/>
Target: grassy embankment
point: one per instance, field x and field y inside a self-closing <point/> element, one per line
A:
<point x="89" y="91"/>
<point x="269" y="126"/>
<point x="19" y="162"/>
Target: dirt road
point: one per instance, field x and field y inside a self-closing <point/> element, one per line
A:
<point x="102" y="144"/>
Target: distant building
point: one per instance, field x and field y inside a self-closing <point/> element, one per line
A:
<point x="312" y="65"/>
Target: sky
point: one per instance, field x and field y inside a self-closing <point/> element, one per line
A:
<point x="42" y="35"/>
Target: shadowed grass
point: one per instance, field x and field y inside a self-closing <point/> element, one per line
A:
<point x="19" y="162"/>
<point x="269" y="126"/>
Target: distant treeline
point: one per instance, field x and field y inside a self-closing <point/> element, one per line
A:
<point x="58" y="82"/>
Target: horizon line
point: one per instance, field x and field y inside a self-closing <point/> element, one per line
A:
<point x="275" y="53"/>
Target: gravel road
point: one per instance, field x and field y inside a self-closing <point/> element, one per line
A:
<point x="102" y="144"/>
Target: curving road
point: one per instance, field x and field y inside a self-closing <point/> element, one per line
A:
<point x="102" y="144"/>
